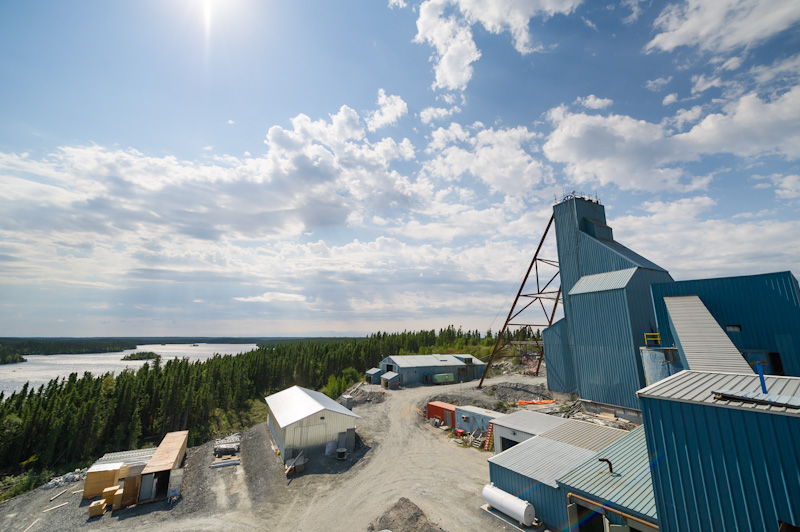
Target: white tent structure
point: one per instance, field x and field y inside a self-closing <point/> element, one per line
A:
<point x="307" y="420"/>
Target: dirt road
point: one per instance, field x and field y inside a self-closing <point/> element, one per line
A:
<point x="402" y="457"/>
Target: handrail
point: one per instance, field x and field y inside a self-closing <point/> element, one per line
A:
<point x="608" y="509"/>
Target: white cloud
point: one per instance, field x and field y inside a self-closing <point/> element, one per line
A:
<point x="670" y="99"/>
<point x="785" y="70"/>
<point x="686" y="238"/>
<point x="657" y="84"/>
<point x="397" y="3"/>
<point x="270" y="297"/>
<point x="722" y="25"/>
<point x="749" y="126"/>
<point x="431" y="114"/>
<point x="391" y="108"/>
<point x="589" y="23"/>
<point x="636" y="10"/>
<point x="500" y="158"/>
<point x="231" y="122"/>
<point x="446" y="25"/>
<point x="593" y="102"/>
<point x="786" y="186"/>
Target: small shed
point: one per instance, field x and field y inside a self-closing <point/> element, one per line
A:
<point x="373" y="376"/>
<point x="514" y="428"/>
<point x="470" y="418"/>
<point x="168" y="457"/>
<point x="444" y="412"/>
<point x="390" y="380"/>
<point x="302" y="419"/>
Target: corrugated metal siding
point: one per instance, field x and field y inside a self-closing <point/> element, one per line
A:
<point x="722" y="468"/>
<point x="549" y="504"/>
<point x="584" y="435"/>
<point x="278" y="434"/>
<point x="478" y="418"/>
<point x="605" y="358"/>
<point x="767" y="307"/>
<point x="629" y="488"/>
<point x="542" y="459"/>
<point x="603" y="281"/>
<point x="558" y="359"/>
<point x="702" y="343"/>
<point x="315" y="432"/>
<point x="530" y="422"/>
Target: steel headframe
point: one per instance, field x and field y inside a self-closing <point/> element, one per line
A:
<point x="542" y="293"/>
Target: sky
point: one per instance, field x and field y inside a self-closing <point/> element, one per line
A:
<point x="265" y="168"/>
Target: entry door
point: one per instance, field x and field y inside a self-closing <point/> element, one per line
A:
<point x="146" y="489"/>
<point x="448" y="419"/>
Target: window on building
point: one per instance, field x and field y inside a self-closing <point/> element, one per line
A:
<point x="733" y="328"/>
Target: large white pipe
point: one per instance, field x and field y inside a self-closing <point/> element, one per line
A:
<point x="510" y="505"/>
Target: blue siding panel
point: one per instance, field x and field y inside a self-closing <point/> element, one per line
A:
<point x="558" y="359"/>
<point x="722" y="468"/>
<point x="549" y="503"/>
<point x="767" y="307"/>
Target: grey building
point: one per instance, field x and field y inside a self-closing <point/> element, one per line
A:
<point x="421" y="369"/>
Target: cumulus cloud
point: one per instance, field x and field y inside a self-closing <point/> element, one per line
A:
<point x="432" y="114"/>
<point x="390" y="109"/>
<point x="640" y="155"/>
<point x="786" y="186"/>
<point x="669" y="99"/>
<point x="593" y="102"/>
<point x="722" y="26"/>
<point x="446" y="25"/>
<point x="397" y="3"/>
<point x="688" y="239"/>
<point x="500" y="158"/>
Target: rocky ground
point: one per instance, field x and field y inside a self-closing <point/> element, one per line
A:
<point x="406" y="476"/>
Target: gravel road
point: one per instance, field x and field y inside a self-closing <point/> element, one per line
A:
<point x="402" y="457"/>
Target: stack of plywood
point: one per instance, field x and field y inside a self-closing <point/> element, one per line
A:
<point x="117" y="500"/>
<point x="109" y="493"/>
<point x="99" y="477"/>
<point x="97" y="508"/>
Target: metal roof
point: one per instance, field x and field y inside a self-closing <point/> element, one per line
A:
<point x="585" y="435"/>
<point x="417" y="361"/>
<point x="529" y="422"/>
<point x="697" y="387"/>
<point x="481" y="411"/>
<point x="373" y="371"/>
<point x="601" y="282"/>
<point x="542" y="459"/>
<point x="700" y="339"/>
<point x="108" y="466"/>
<point x="442" y="404"/>
<point x="127" y="457"/>
<point x="389" y="375"/>
<point x="629" y="487"/>
<point x="296" y="403"/>
<point x="631" y="255"/>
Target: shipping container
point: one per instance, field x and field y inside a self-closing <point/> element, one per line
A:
<point x="444" y="412"/>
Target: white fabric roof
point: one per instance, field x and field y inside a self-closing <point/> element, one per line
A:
<point x="296" y="403"/>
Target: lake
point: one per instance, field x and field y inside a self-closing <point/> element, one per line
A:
<point x="40" y="369"/>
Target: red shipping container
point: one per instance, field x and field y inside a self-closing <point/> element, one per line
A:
<point x="444" y="412"/>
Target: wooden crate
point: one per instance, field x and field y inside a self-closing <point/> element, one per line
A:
<point x="117" y="500"/>
<point x="97" y="508"/>
<point x="108" y="494"/>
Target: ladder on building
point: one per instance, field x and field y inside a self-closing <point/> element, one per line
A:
<point x="489" y="445"/>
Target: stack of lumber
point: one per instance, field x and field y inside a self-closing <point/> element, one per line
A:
<point x="99" y="477"/>
<point x="117" y="500"/>
<point x="109" y="493"/>
<point x="97" y="508"/>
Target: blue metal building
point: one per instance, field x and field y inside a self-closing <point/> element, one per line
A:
<point x="469" y="418"/>
<point x="759" y="313"/>
<point x="373" y="376"/>
<point x="607" y="309"/>
<point x="420" y="369"/>
<point x="727" y="455"/>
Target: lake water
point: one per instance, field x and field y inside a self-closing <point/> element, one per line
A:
<point x="40" y="369"/>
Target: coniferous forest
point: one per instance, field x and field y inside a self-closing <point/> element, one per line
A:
<point x="77" y="419"/>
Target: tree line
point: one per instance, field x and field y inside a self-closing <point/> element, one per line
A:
<point x="79" y="418"/>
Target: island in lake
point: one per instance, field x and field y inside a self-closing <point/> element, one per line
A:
<point x="142" y="355"/>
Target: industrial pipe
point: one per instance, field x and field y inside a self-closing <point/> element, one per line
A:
<point x="606" y="460"/>
<point x="571" y="495"/>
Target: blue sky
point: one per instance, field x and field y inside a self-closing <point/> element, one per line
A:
<point x="196" y="167"/>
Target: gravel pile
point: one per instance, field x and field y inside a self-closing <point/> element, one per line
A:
<point x="404" y="516"/>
